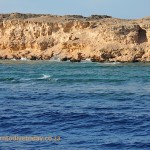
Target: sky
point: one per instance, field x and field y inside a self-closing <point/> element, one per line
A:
<point x="128" y="9"/>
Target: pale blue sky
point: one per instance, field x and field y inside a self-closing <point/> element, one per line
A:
<point x="115" y="8"/>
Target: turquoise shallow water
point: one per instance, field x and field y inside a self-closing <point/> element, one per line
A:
<point x="91" y="106"/>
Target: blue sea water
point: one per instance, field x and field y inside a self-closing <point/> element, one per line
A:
<point x="91" y="106"/>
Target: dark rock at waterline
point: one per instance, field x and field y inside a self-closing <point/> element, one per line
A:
<point x="75" y="60"/>
<point x="33" y="58"/>
<point x="95" y="59"/>
<point x="64" y="59"/>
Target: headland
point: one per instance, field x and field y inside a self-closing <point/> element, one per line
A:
<point x="99" y="38"/>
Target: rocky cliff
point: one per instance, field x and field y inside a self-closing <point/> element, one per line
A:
<point x="75" y="38"/>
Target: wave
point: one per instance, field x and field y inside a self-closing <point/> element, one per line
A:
<point x="7" y="79"/>
<point x="82" y="80"/>
<point x="112" y="63"/>
<point x="44" y="76"/>
<point x="13" y="59"/>
<point x="55" y="59"/>
<point x="23" y="59"/>
<point x="86" y="60"/>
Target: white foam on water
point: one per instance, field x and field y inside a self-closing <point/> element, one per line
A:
<point x="48" y="77"/>
<point x="112" y="63"/>
<point x="86" y="60"/>
<point x="56" y="59"/>
<point x="44" y="76"/>
<point x="23" y="59"/>
<point x="13" y="59"/>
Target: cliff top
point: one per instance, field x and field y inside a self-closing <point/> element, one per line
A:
<point x="49" y="17"/>
<point x="67" y="18"/>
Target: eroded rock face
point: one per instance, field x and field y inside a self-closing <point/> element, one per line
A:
<point x="99" y="38"/>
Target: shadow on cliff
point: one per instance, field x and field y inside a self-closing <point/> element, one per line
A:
<point x="142" y="36"/>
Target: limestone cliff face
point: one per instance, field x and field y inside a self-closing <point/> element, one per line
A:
<point x="99" y="38"/>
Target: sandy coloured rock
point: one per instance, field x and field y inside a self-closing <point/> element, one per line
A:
<point x="99" y="38"/>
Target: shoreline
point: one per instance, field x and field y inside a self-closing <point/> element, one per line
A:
<point x="69" y="61"/>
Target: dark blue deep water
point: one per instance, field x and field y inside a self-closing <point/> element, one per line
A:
<point x="91" y="106"/>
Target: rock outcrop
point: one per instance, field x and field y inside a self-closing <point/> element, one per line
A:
<point x="75" y="38"/>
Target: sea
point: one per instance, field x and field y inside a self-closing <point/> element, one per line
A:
<point x="79" y="106"/>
